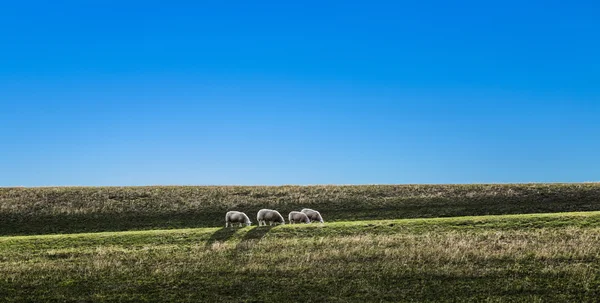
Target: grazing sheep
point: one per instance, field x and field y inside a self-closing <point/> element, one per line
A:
<point x="269" y="215"/>
<point x="298" y="217"/>
<point x="313" y="215"/>
<point x="233" y="217"/>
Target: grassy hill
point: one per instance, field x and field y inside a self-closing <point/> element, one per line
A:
<point x="388" y="243"/>
<point x="510" y="258"/>
<point x="47" y="210"/>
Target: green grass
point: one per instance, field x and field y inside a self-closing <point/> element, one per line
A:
<point x="506" y="258"/>
<point x="29" y="211"/>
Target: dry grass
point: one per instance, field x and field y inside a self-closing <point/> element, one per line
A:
<point x="83" y="209"/>
<point x="527" y="258"/>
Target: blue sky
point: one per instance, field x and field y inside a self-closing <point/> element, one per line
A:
<point x="309" y="92"/>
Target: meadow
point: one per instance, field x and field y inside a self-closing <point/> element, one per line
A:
<point x="409" y="243"/>
<point x="507" y="258"/>
<point x="50" y="210"/>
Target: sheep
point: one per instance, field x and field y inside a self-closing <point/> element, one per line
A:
<point x="232" y="217"/>
<point x="313" y="215"/>
<point x="268" y="215"/>
<point x="298" y="217"/>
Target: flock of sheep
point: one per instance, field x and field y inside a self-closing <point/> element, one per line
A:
<point x="271" y="216"/>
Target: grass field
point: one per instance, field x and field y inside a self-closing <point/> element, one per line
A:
<point x="31" y="211"/>
<point x="380" y="243"/>
<point x="507" y="258"/>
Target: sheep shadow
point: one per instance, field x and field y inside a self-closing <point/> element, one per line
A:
<point x="252" y="237"/>
<point x="221" y="235"/>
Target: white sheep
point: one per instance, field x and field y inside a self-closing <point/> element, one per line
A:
<point x="268" y="215"/>
<point x="298" y="217"/>
<point x="313" y="215"/>
<point x="233" y="217"/>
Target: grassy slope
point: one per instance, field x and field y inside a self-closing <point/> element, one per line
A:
<point x="85" y="209"/>
<point x="549" y="257"/>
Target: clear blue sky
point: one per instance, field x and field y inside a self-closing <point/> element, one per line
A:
<point x="298" y="92"/>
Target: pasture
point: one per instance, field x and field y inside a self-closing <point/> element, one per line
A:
<point x="413" y="243"/>
<point x="51" y="210"/>
<point x="526" y="258"/>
